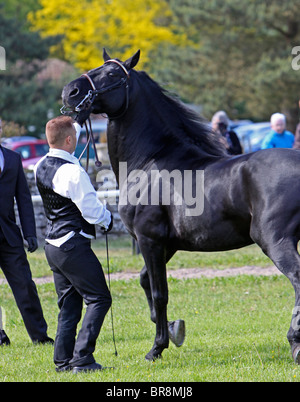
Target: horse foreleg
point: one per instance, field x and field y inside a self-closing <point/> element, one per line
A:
<point x="155" y="260"/>
<point x="176" y="329"/>
<point x="145" y="283"/>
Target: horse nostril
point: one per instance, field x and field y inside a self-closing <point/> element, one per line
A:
<point x="74" y="92"/>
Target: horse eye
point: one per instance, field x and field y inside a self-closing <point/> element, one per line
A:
<point x="112" y="74"/>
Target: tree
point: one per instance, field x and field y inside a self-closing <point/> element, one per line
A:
<point x="11" y="129"/>
<point x="25" y="99"/>
<point x="222" y="54"/>
<point x="18" y="10"/>
<point x="122" y="26"/>
<point x="240" y="59"/>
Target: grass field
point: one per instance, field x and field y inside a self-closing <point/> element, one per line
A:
<point x="121" y="258"/>
<point x="236" y="327"/>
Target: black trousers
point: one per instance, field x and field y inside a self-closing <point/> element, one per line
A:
<point x="15" y="266"/>
<point x="78" y="277"/>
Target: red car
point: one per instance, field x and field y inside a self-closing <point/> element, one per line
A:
<point x="31" y="151"/>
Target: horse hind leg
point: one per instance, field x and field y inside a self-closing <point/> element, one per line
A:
<point x="285" y="256"/>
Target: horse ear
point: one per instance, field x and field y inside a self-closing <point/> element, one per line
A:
<point x="132" y="61"/>
<point x="106" y="55"/>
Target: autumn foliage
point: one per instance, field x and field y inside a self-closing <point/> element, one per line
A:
<point x="122" y="26"/>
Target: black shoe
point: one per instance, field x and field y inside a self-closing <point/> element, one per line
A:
<point x="63" y="368"/>
<point x="45" y="341"/>
<point x="89" y="368"/>
<point x="4" y="340"/>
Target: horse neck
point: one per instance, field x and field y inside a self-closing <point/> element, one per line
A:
<point x="133" y="138"/>
<point x="144" y="134"/>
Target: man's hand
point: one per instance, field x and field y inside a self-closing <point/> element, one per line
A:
<point x="110" y="225"/>
<point x="32" y="244"/>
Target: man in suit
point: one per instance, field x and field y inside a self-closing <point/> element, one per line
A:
<point x="13" y="259"/>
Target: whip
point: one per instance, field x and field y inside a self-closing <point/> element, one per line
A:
<point x="111" y="308"/>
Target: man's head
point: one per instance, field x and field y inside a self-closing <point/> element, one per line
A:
<point x="278" y="122"/>
<point x="219" y="120"/>
<point x="61" y="133"/>
<point x="297" y="132"/>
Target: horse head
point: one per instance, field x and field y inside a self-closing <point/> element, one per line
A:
<point x="104" y="89"/>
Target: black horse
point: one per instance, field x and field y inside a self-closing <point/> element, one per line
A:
<point x="252" y="198"/>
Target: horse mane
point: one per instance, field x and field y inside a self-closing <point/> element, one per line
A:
<point x="177" y="121"/>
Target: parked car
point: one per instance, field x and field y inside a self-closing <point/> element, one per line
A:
<point x="17" y="138"/>
<point x="31" y="151"/>
<point x="234" y="124"/>
<point x="99" y="130"/>
<point x="251" y="136"/>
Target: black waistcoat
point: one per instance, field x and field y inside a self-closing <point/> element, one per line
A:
<point x="62" y="214"/>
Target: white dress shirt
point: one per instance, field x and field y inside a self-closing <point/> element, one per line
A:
<point x="72" y="181"/>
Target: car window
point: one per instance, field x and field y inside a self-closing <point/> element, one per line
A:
<point x="41" y="149"/>
<point x="24" y="151"/>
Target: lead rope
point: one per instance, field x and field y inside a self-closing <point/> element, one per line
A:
<point x="98" y="164"/>
<point x="89" y="137"/>
<point x="88" y="140"/>
<point x="111" y="309"/>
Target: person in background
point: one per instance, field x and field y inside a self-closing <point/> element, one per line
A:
<point x="229" y="138"/>
<point x="297" y="134"/>
<point x="13" y="259"/>
<point x="297" y="137"/>
<point x="278" y="137"/>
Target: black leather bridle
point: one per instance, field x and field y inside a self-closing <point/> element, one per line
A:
<point x="87" y="102"/>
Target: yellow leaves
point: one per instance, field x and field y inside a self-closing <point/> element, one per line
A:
<point x="121" y="26"/>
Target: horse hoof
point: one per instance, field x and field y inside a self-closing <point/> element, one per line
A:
<point x="151" y="358"/>
<point x="153" y="355"/>
<point x="177" y="332"/>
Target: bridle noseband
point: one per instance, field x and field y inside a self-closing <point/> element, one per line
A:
<point x="87" y="102"/>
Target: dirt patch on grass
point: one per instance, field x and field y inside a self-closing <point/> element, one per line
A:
<point x="187" y="273"/>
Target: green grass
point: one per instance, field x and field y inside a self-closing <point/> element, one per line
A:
<point x="236" y="327"/>
<point x="236" y="331"/>
<point x="121" y="258"/>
